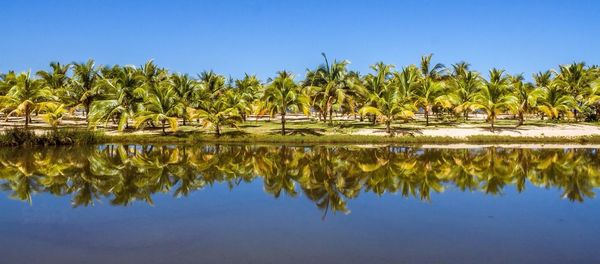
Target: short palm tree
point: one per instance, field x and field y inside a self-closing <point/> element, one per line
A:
<point x="526" y="96"/>
<point x="574" y="79"/>
<point x="555" y="103"/>
<point x="26" y="96"/>
<point x="52" y="113"/>
<point x="430" y="93"/>
<point x="223" y="111"/>
<point x="390" y="104"/>
<point x="124" y="97"/>
<point x="283" y="95"/>
<point x="247" y="91"/>
<point x="493" y="97"/>
<point x="161" y="105"/>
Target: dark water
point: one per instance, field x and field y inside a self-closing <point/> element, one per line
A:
<point x="319" y="204"/>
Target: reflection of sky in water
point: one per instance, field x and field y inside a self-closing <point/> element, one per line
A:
<point x="244" y="224"/>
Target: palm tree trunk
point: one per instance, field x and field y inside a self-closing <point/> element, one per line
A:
<point x="388" y="127"/>
<point x="466" y="114"/>
<point x="283" y="123"/>
<point x="87" y="111"/>
<point x="426" y="117"/>
<point x="329" y="110"/>
<point x="27" y="117"/>
<point x="492" y="122"/>
<point x="521" y="119"/>
<point x="217" y="130"/>
<point x="163" y="127"/>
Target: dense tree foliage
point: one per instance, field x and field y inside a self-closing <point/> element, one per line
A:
<point x="151" y="96"/>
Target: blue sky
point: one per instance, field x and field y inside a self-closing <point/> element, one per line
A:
<point x="262" y="37"/>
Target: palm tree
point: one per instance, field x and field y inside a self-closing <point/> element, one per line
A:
<point x="212" y="84"/>
<point x="26" y="96"/>
<point x="332" y="87"/>
<point x="375" y="83"/>
<point x="249" y="89"/>
<point x="428" y="72"/>
<point x="526" y="96"/>
<point x="430" y="93"/>
<point x="493" y="98"/>
<point x="465" y="84"/>
<point x="7" y="81"/>
<point x="574" y="79"/>
<point x="430" y="90"/>
<point x="392" y="102"/>
<point x="283" y="95"/>
<point x="187" y="90"/>
<point x="56" y="79"/>
<point x="124" y="95"/>
<point x="53" y="113"/>
<point x="221" y="111"/>
<point x="161" y="105"/>
<point x="84" y="89"/>
<point x="555" y="102"/>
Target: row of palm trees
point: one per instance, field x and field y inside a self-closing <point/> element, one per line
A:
<point x="328" y="176"/>
<point x="129" y="96"/>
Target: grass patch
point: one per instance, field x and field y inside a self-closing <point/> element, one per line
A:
<point x="23" y="137"/>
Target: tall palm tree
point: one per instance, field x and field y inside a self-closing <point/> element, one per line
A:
<point x="212" y="84"/>
<point x="332" y="87"/>
<point x="187" y="90"/>
<point x="57" y="78"/>
<point x="26" y="96"/>
<point x="435" y="72"/>
<point x="430" y="90"/>
<point x="84" y="89"/>
<point x="376" y="83"/>
<point x="283" y="95"/>
<point x="493" y="97"/>
<point x="465" y="84"/>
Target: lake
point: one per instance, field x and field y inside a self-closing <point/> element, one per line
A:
<point x="299" y="204"/>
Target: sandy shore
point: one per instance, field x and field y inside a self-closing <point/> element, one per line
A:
<point x="462" y="131"/>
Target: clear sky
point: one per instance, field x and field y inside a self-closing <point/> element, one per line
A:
<point x="262" y="37"/>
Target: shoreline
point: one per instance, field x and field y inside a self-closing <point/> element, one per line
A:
<point x="353" y="139"/>
<point x="558" y="135"/>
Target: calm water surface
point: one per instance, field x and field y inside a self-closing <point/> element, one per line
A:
<point x="298" y="204"/>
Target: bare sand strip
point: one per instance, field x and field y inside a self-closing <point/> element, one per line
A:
<point x="463" y="131"/>
<point x="523" y="146"/>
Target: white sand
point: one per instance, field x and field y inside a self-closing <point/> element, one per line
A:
<point x="559" y="130"/>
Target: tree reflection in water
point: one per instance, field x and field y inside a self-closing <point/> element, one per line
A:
<point x="329" y="176"/>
